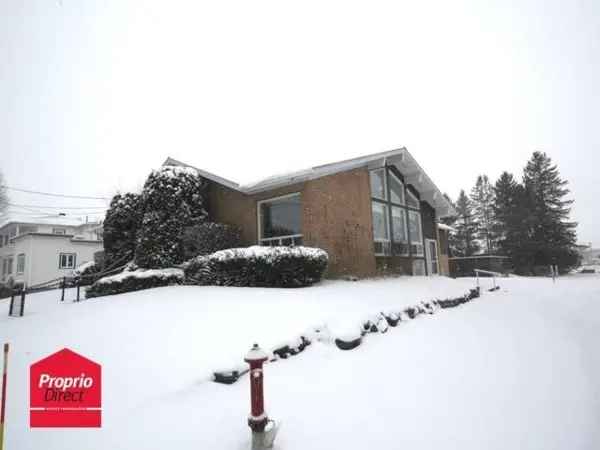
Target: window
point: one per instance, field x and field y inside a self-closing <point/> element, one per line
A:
<point x="59" y="230"/>
<point x="66" y="261"/>
<point x="412" y="200"/>
<point x="6" y="239"/>
<point x="416" y="236"/>
<point x="1" y="240"/>
<point x="280" y="221"/>
<point x="397" y="228"/>
<point x="396" y="189"/>
<point x="381" y="234"/>
<point x="378" y="184"/>
<point x="9" y="264"/>
<point x="21" y="263"/>
<point x="4" y="267"/>
<point x="399" y="231"/>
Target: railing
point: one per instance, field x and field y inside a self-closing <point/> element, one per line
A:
<point x="290" y="239"/>
<point x="488" y="272"/>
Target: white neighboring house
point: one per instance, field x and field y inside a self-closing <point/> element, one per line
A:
<point x="37" y="251"/>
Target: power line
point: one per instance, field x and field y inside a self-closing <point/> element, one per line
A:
<point x="57" y="207"/>
<point x="55" y="195"/>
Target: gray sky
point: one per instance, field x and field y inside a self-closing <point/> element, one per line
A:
<point x="93" y="95"/>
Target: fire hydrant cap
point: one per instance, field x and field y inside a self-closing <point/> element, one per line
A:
<point x="256" y="354"/>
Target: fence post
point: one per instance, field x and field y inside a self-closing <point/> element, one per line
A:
<point x="78" y="284"/>
<point x="62" y="298"/>
<point x="23" y="292"/>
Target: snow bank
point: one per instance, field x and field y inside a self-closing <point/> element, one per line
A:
<point x="516" y="369"/>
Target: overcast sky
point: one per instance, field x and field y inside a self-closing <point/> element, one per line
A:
<point x="93" y="95"/>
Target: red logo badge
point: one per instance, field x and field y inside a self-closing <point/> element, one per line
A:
<point x="65" y="391"/>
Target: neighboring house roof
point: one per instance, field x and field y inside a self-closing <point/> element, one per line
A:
<point x="54" y="221"/>
<point x="405" y="162"/>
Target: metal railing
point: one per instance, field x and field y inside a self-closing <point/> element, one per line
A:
<point x="488" y="272"/>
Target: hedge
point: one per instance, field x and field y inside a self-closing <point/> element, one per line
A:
<point x="259" y="266"/>
<point x="134" y="281"/>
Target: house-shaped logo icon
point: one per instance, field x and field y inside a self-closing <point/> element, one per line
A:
<point x="65" y="391"/>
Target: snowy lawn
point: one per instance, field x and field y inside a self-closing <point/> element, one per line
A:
<point x="518" y="368"/>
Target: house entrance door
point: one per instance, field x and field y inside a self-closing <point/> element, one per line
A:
<point x="432" y="256"/>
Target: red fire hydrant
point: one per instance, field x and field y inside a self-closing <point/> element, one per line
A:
<point x="258" y="419"/>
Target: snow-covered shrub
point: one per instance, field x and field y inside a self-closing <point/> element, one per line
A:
<point x="259" y="266"/>
<point x="84" y="273"/>
<point x="348" y="342"/>
<point x="120" y="228"/>
<point x="134" y="281"/>
<point x="171" y="201"/>
<point x="209" y="237"/>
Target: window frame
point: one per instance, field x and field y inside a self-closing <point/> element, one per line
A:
<point x="387" y="245"/>
<point x="20" y="258"/>
<point x="59" y="230"/>
<point x="61" y="254"/>
<point x="296" y="239"/>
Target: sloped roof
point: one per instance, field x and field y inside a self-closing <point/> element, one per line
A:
<point x="401" y="158"/>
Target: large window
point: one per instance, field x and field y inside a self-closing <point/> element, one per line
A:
<point x="280" y="221"/>
<point x="397" y="228"/>
<point x="21" y="263"/>
<point x="399" y="231"/>
<point x="66" y="261"/>
<point x="381" y="229"/>
<point x="416" y="235"/>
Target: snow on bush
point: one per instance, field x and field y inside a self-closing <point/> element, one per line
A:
<point x="259" y="266"/>
<point x="209" y="237"/>
<point x="128" y="281"/>
<point x="171" y="201"/>
<point x="87" y="268"/>
<point x="120" y="229"/>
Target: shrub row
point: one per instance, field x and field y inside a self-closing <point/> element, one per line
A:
<point x="380" y="323"/>
<point x="259" y="266"/>
<point x="376" y="324"/>
<point x="134" y="281"/>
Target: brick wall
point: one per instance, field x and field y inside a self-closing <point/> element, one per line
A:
<point x="336" y="216"/>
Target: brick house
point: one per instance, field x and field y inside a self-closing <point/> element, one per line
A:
<point x="374" y="214"/>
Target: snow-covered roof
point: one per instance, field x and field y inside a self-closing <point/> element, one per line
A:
<point x="401" y="158"/>
<point x="443" y="226"/>
<point x="59" y="221"/>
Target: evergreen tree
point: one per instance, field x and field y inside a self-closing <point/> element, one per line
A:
<point x="120" y="228"/>
<point x="172" y="200"/>
<point x="466" y="227"/>
<point x="482" y="200"/>
<point x="552" y="235"/>
<point x="511" y="213"/>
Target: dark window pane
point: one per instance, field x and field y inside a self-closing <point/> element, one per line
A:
<point x="281" y="217"/>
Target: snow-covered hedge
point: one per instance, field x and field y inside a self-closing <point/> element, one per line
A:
<point x="134" y="281"/>
<point x="84" y="273"/>
<point x="259" y="266"/>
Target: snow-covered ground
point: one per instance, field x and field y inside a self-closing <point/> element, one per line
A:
<point x="518" y="368"/>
